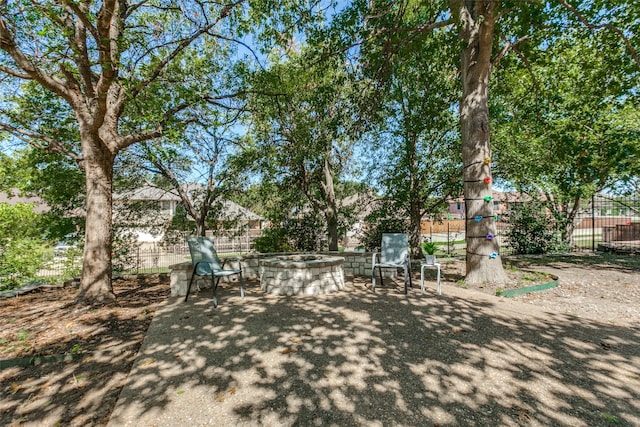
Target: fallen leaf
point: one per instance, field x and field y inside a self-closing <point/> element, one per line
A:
<point x="289" y="350"/>
<point x="147" y="362"/>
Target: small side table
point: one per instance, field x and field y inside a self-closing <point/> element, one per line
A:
<point x="424" y="265"/>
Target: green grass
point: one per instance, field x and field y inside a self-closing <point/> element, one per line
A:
<point x="610" y="418"/>
<point x="22" y="335"/>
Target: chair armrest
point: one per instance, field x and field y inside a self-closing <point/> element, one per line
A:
<point x="233" y="258"/>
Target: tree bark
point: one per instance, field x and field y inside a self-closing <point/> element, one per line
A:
<point x="477" y="30"/>
<point x="331" y="207"/>
<point x="415" y="202"/>
<point x="570" y="225"/>
<point x="95" y="283"/>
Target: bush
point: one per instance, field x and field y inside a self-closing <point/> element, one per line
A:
<point x="20" y="260"/>
<point x="372" y="233"/>
<point x="306" y="234"/>
<point x="272" y="240"/>
<point x="531" y="229"/>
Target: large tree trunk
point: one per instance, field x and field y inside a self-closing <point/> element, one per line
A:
<point x="570" y="224"/>
<point x="95" y="284"/>
<point x="201" y="228"/>
<point x="483" y="263"/>
<point x="415" y="202"/>
<point x="332" y="207"/>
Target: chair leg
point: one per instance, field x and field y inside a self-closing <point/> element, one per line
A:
<point x="405" y="280"/>
<point x="189" y="287"/>
<point x="214" y="286"/>
<point x="373" y="279"/>
<point x="241" y="288"/>
<point x="380" y="273"/>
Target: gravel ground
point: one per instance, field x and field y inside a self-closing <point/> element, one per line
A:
<point x="357" y="358"/>
<point x="605" y="288"/>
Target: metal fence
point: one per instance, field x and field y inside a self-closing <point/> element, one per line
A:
<point x="603" y="222"/>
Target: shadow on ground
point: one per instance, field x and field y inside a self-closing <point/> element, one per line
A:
<point x="84" y="390"/>
<point x="363" y="358"/>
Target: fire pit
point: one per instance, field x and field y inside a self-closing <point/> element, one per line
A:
<point x="301" y="274"/>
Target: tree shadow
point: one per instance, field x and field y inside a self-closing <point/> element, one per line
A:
<point x="76" y="392"/>
<point x="362" y="358"/>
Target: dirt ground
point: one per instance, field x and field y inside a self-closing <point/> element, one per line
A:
<point x="602" y="287"/>
<point x="87" y="352"/>
<point x="101" y="342"/>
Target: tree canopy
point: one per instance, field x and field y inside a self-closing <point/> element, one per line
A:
<point x="553" y="83"/>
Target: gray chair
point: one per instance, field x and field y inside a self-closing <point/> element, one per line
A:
<point x="394" y="253"/>
<point x="206" y="263"/>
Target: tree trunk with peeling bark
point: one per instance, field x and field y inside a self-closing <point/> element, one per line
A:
<point x="331" y="210"/>
<point x="477" y="20"/>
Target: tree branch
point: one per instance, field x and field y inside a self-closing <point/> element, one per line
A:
<point x="15" y="73"/>
<point x="616" y="30"/>
<point x="51" y="145"/>
<point x="507" y="47"/>
<point x="54" y="84"/>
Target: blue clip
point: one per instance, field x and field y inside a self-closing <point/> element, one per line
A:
<point x="489" y="236"/>
<point x="493" y="255"/>
<point x="478" y="218"/>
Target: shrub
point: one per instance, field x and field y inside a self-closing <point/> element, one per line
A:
<point x="20" y="260"/>
<point x="531" y="229"/>
<point x="272" y="240"/>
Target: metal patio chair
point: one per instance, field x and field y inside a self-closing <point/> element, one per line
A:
<point x="206" y="263"/>
<point x="394" y="253"/>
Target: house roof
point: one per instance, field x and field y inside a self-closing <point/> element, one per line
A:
<point x="230" y="210"/>
<point x="13" y="198"/>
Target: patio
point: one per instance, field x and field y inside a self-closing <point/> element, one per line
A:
<point x="361" y="358"/>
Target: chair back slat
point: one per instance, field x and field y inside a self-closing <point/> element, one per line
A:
<point x="203" y="251"/>
<point x="394" y="248"/>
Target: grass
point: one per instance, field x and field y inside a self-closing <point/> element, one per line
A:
<point x="610" y="418"/>
<point x="22" y="335"/>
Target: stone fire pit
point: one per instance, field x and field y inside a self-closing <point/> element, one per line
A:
<point x="301" y="274"/>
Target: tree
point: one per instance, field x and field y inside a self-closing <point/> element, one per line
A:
<point x="488" y="30"/>
<point x="196" y="168"/>
<point x="580" y="138"/>
<point x="304" y="126"/>
<point x="54" y="179"/>
<point x="418" y="160"/>
<point x="109" y="75"/>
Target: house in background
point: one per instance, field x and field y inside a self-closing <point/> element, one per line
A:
<point x="159" y="206"/>
<point x="13" y="198"/>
